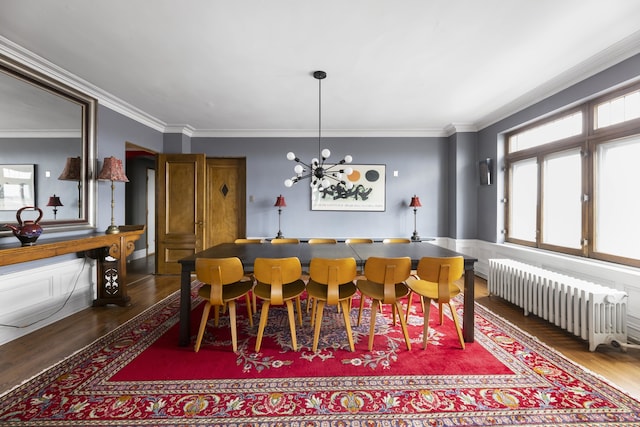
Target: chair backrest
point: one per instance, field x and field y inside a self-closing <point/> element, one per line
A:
<point x="332" y="272"/>
<point x="248" y="241"/>
<point x="322" y="241"/>
<point x="388" y="271"/>
<point x="442" y="271"/>
<point x="218" y="272"/>
<point x="358" y="240"/>
<point x="284" y="241"/>
<point x="277" y="272"/>
<point x="396" y="240"/>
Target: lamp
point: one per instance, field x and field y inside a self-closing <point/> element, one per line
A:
<point x="72" y="172"/>
<point x="319" y="172"/>
<point x="55" y="202"/>
<point x="415" y="204"/>
<point x="280" y="203"/>
<point x="112" y="171"/>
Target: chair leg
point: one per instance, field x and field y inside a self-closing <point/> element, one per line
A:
<point x="372" y="327"/>
<point x="292" y="324"/>
<point x="299" y="309"/>
<point x="264" y="314"/>
<point x="216" y="315"/>
<point x="425" y="330"/>
<point x="234" y="328"/>
<point x="347" y="321"/>
<point x="441" y="313"/>
<point x="360" y="309"/>
<point x="454" y="315"/>
<point x="409" y="302"/>
<point x="318" y="307"/>
<point x="249" y="311"/>
<point x="203" y="325"/>
<point x="403" y="324"/>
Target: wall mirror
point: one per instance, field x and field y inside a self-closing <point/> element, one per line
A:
<point x="47" y="131"/>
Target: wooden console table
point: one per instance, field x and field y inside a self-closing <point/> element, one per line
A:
<point x="111" y="251"/>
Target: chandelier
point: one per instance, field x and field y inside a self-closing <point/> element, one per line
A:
<point x="320" y="173"/>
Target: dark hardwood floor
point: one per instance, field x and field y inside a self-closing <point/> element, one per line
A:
<point x="27" y="356"/>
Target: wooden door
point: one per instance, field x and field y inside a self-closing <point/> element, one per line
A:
<point x="180" y="196"/>
<point x="225" y="201"/>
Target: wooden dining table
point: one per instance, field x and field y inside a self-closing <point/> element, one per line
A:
<point x="305" y="252"/>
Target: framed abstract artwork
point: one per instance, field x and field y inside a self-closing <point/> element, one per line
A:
<point x="367" y="193"/>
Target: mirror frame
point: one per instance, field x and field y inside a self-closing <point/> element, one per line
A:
<point x="89" y="118"/>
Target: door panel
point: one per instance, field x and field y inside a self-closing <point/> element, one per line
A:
<point x="225" y="207"/>
<point x="180" y="197"/>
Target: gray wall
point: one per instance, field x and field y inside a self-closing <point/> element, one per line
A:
<point x="422" y="165"/>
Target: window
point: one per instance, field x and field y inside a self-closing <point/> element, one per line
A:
<point x="570" y="187"/>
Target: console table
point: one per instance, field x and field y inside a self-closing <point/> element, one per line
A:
<point x="111" y="251"/>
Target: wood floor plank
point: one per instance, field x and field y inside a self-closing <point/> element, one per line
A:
<point x="27" y="356"/>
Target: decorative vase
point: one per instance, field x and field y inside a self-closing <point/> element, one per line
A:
<point x="27" y="231"/>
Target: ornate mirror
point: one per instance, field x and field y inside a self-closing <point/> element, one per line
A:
<point x="47" y="146"/>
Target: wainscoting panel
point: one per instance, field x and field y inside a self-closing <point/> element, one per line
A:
<point x="34" y="298"/>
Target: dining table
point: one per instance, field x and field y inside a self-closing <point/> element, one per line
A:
<point x="305" y="252"/>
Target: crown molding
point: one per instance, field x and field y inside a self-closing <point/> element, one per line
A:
<point x="454" y="128"/>
<point x="40" y="133"/>
<point x="183" y="129"/>
<point x="333" y="133"/>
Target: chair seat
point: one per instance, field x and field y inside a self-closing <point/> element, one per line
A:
<point x="319" y="290"/>
<point x="376" y="290"/>
<point x="430" y="289"/>
<point x="229" y="292"/>
<point x="290" y="290"/>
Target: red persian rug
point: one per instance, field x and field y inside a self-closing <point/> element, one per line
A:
<point x="138" y="376"/>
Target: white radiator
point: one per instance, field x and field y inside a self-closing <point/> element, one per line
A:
<point x="593" y="312"/>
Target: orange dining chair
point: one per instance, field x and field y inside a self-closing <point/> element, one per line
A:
<point x="436" y="277"/>
<point x="223" y="285"/>
<point x="248" y="241"/>
<point x="278" y="282"/>
<point x="322" y="241"/>
<point x="331" y="283"/>
<point x="396" y="240"/>
<point x="358" y="240"/>
<point x="384" y="284"/>
<point x="284" y="241"/>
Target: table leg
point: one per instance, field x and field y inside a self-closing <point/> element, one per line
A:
<point x="469" y="297"/>
<point x="185" y="306"/>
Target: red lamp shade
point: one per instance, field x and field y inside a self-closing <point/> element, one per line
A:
<point x="71" y="170"/>
<point x="415" y="202"/>
<point x="112" y="170"/>
<point x="280" y="201"/>
<point x="54" y="201"/>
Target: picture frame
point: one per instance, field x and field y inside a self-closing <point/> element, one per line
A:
<point x="17" y="186"/>
<point x="368" y="192"/>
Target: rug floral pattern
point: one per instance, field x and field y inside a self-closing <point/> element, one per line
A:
<point x="115" y="382"/>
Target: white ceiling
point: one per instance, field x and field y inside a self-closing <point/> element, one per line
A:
<point x="403" y="67"/>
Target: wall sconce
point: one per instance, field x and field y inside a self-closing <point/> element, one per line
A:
<point x="486" y="171"/>
<point x="55" y="202"/>
<point x="72" y="172"/>
<point x="415" y="204"/>
<point x="280" y="203"/>
<point x="112" y="171"/>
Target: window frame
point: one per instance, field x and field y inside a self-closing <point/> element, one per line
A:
<point x="587" y="142"/>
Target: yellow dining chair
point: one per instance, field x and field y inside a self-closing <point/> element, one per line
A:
<point x="278" y="282"/>
<point x="396" y="240"/>
<point x="322" y="241"/>
<point x="284" y="241"/>
<point x="223" y="285"/>
<point x="248" y="241"/>
<point x="384" y="284"/>
<point x="436" y="282"/>
<point x="358" y="240"/>
<point x="331" y="283"/>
